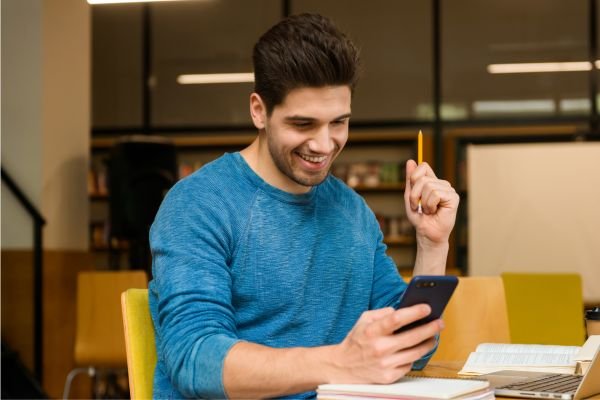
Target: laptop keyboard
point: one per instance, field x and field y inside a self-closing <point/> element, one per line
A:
<point x="549" y="383"/>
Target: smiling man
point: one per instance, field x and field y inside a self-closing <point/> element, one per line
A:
<point x="300" y="138"/>
<point x="270" y="275"/>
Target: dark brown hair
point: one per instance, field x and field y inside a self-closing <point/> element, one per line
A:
<point x="305" y="50"/>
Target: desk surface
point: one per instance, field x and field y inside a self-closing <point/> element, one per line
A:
<point x="449" y="369"/>
<point x="444" y="369"/>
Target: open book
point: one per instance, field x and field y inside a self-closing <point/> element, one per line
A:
<point x="418" y="388"/>
<point x="586" y="354"/>
<point x="490" y="357"/>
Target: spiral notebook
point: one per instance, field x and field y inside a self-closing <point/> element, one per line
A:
<point x="420" y="388"/>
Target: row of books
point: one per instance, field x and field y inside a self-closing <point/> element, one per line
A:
<point x="395" y="226"/>
<point x="370" y="174"/>
<point x="100" y="239"/>
<point x="98" y="180"/>
<point x="365" y="174"/>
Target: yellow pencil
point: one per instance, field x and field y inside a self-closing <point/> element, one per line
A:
<point x="420" y="160"/>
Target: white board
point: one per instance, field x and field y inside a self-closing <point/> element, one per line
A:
<point x="535" y="208"/>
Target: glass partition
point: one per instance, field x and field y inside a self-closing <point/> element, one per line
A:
<point x="117" y="66"/>
<point x="516" y="59"/>
<point x="395" y="42"/>
<point x="205" y="37"/>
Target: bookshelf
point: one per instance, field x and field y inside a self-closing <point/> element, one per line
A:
<point x="368" y="150"/>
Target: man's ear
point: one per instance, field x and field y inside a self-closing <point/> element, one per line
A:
<point x="258" y="111"/>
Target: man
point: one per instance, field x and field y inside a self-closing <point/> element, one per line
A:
<point x="270" y="275"/>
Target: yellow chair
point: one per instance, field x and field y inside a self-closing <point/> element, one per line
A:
<point x="475" y="314"/>
<point x="139" y="342"/>
<point x="545" y="308"/>
<point x="99" y="332"/>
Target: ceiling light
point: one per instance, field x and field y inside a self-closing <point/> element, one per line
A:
<point x="574" y="105"/>
<point x="513" y="106"/>
<point x="199" y="79"/>
<point x="539" y="67"/>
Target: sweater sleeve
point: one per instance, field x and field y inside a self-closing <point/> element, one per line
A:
<point x="388" y="287"/>
<point x="195" y="324"/>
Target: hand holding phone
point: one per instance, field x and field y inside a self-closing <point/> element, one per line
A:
<point x="434" y="290"/>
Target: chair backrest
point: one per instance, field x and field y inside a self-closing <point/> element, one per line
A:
<point x="99" y="333"/>
<point x="545" y="308"/>
<point x="139" y="342"/>
<point x="475" y="314"/>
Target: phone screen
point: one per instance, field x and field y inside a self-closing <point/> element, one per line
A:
<point x="433" y="290"/>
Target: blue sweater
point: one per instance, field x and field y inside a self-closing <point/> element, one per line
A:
<point x="235" y="258"/>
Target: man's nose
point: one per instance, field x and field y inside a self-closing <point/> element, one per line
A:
<point x="322" y="142"/>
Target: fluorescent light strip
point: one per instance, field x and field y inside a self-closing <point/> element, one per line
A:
<point x="96" y="2"/>
<point x="513" y="106"/>
<point x="574" y="105"/>
<point x="540" y="67"/>
<point x="202" y="79"/>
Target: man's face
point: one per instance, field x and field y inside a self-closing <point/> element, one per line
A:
<point x="304" y="135"/>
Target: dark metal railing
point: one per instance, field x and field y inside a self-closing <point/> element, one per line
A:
<point x="38" y="223"/>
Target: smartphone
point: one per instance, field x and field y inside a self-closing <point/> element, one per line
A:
<point x="434" y="290"/>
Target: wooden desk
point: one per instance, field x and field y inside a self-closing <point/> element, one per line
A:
<point x="445" y="369"/>
<point x="442" y="369"/>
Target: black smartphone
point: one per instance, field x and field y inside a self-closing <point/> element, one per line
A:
<point x="434" y="290"/>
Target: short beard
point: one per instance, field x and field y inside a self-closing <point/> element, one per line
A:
<point x="287" y="170"/>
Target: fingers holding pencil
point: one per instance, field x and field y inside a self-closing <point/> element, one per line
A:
<point x="438" y="199"/>
<point x="417" y="176"/>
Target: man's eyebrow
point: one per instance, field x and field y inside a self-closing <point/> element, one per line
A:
<point x="310" y="119"/>
<point x="343" y="116"/>
<point x="299" y="118"/>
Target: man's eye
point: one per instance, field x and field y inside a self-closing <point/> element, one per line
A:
<point x="301" y="124"/>
<point x="339" y="122"/>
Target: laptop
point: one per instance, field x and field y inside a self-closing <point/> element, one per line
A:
<point x="540" y="385"/>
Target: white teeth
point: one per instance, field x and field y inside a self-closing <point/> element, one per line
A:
<point x="312" y="159"/>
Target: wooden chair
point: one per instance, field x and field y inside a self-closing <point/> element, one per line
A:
<point x="99" y="332"/>
<point x="545" y="308"/>
<point x="139" y="342"/>
<point x="475" y="314"/>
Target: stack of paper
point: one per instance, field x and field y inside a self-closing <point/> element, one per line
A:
<point x="417" y="388"/>
<point x="491" y="357"/>
<point x="586" y="354"/>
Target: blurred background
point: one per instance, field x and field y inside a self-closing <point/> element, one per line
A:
<point x="98" y="97"/>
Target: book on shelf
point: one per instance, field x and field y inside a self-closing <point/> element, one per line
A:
<point x="410" y="387"/>
<point x="491" y="357"/>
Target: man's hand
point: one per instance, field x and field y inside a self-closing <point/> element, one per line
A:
<point x="439" y="202"/>
<point x="373" y="353"/>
